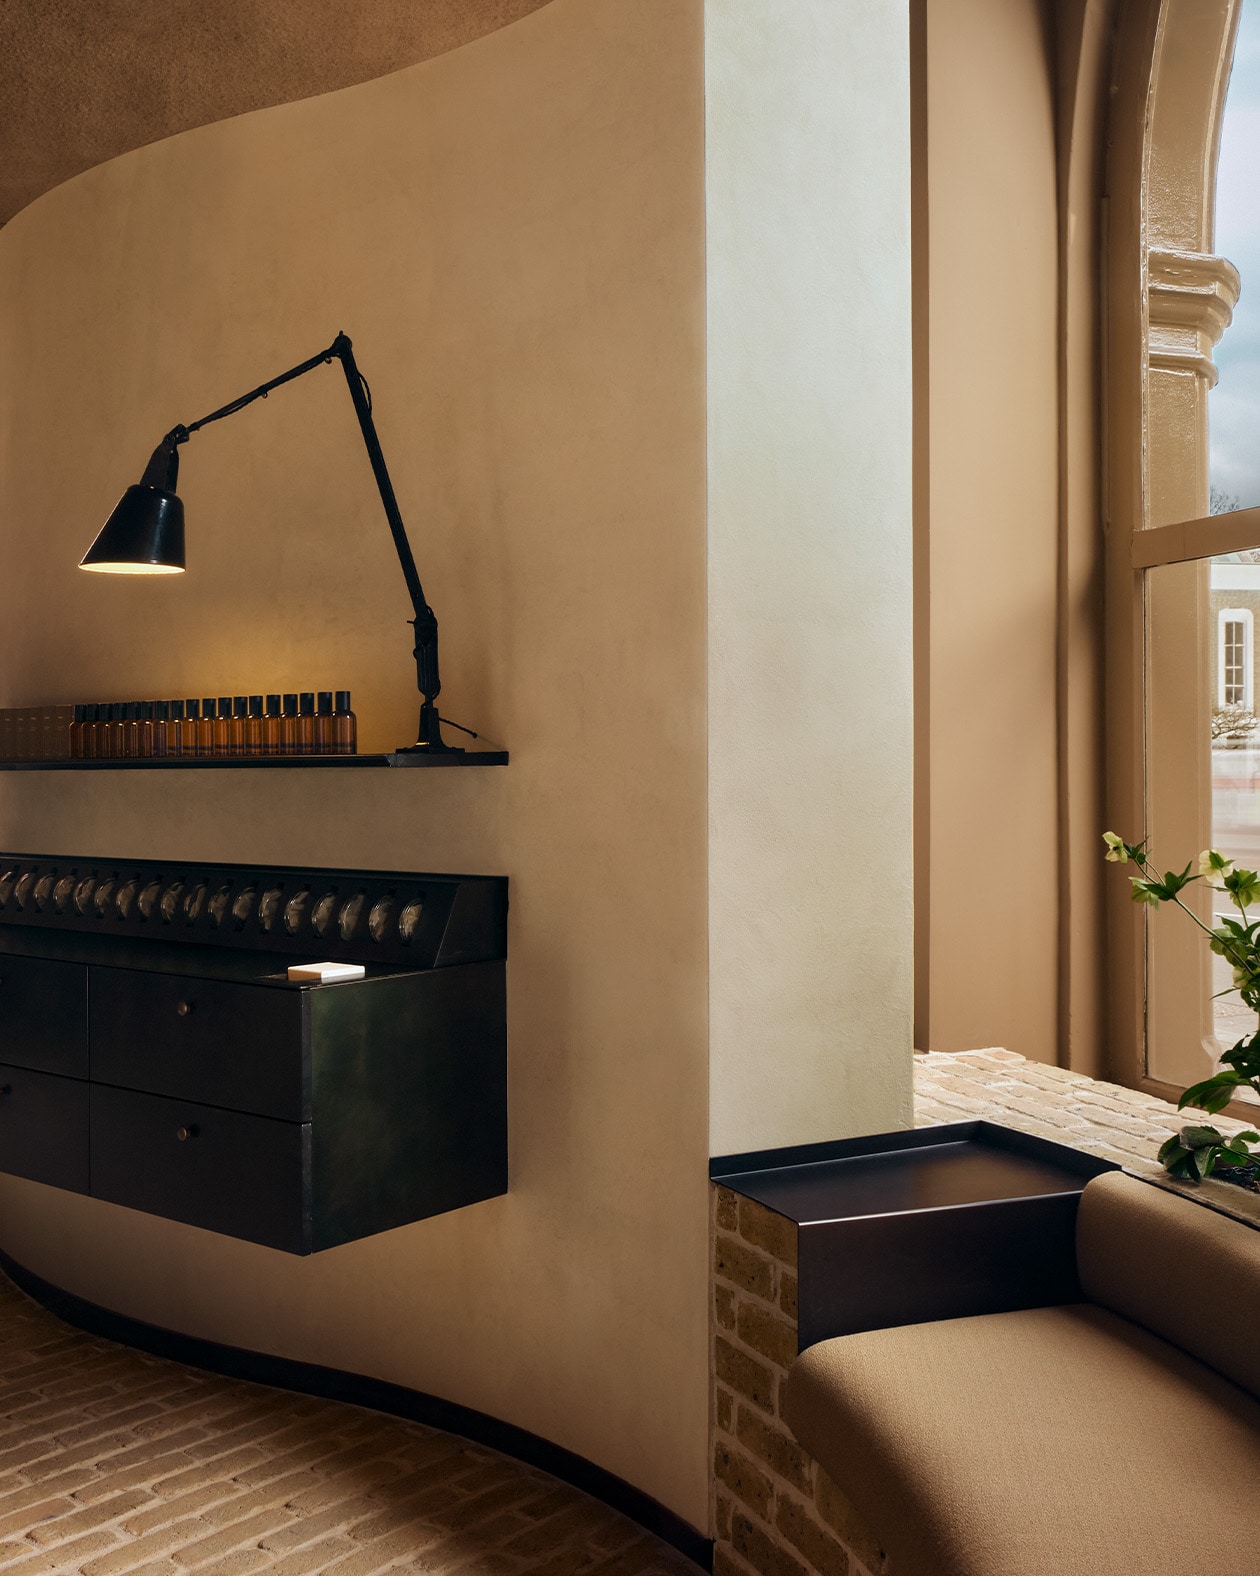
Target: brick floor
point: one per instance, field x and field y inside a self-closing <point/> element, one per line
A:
<point x="114" y="1463"/>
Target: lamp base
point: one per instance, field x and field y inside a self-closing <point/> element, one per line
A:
<point x="429" y="739"/>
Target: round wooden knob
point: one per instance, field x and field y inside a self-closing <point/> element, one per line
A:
<point x="185" y="1133"/>
<point x="184" y="1008"/>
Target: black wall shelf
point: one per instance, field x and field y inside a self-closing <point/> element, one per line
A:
<point x="254" y="762"/>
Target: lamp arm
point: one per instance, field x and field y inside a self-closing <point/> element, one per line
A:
<point x="166" y="458"/>
<point x="424" y="622"/>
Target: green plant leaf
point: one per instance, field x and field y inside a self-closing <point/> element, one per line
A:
<point x="1243" y="886"/>
<point x="1212" y="1095"/>
<point x="1175" y="1159"/>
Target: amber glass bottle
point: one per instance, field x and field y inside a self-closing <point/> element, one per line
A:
<point x="324" y="723"/>
<point x="345" y="726"/>
<point x="271" y="726"/>
<point x="174" y="727"/>
<point x="91" y="732"/>
<point x="223" y="726"/>
<point x="289" y="726"/>
<point x="153" y="727"/>
<point x="111" y="731"/>
<point x="131" y="730"/>
<point x="254" y="726"/>
<point x="236" y="725"/>
<point x="205" y="726"/>
<point x="306" y="722"/>
<point x="189" y="726"/>
<point x="77" y="729"/>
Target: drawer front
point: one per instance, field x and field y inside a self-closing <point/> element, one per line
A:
<point x="245" y="1176"/>
<point x="238" y="1047"/>
<point x="43" y="1015"/>
<point x="44" y="1128"/>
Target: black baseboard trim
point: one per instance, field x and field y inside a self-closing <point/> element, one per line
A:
<point x="336" y="1385"/>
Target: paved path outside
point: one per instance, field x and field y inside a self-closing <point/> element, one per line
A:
<point x="114" y="1463"/>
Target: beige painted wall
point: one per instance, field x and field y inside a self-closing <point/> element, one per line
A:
<point x="993" y="529"/>
<point x="513" y="236"/>
<point x="810" y="683"/>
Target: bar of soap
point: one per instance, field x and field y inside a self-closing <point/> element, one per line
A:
<point x="326" y="972"/>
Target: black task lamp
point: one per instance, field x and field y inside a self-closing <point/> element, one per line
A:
<point x="145" y="533"/>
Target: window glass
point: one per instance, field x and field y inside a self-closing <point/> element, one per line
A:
<point x="1234" y="404"/>
<point x="1202" y="790"/>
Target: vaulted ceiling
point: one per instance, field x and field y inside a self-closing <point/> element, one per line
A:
<point x="84" y="80"/>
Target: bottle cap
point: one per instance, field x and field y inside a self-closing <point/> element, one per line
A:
<point x="192" y="708"/>
<point x="146" y="710"/>
<point x="225" y="705"/>
<point x="207" y="706"/>
<point x="162" y="710"/>
<point x="134" y="711"/>
<point x="343" y="700"/>
<point x="255" y="706"/>
<point x="273" y="705"/>
<point x="240" y="705"/>
<point x="80" y="713"/>
<point x="175" y="709"/>
<point x="325" y="703"/>
<point x="290" y="706"/>
<point x="306" y="703"/>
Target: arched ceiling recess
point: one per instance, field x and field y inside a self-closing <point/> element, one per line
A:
<point x="84" y="80"/>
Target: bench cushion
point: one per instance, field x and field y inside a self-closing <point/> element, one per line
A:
<point x="1048" y="1442"/>
<point x="1176" y="1268"/>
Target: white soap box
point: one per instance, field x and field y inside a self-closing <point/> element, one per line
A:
<point x="326" y="972"/>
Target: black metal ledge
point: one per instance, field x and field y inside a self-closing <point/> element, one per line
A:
<point x="247" y="763"/>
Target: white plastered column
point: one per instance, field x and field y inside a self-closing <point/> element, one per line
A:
<point x="809" y="465"/>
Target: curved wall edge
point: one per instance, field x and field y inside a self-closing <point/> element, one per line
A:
<point x="334" y="1384"/>
<point x="113" y="101"/>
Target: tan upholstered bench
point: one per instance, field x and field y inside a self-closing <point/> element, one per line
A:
<point x="1114" y="1437"/>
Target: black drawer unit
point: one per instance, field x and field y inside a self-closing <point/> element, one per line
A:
<point x="44" y="1128"/>
<point x="239" y="1046"/>
<point x="245" y="1176"/>
<point x="159" y="1057"/>
<point x="43" y="1015"/>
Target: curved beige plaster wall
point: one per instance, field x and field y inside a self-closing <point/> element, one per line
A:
<point x="513" y="236"/>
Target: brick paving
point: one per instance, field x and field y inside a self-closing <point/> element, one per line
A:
<point x="115" y="1463"/>
<point x="1104" y="1119"/>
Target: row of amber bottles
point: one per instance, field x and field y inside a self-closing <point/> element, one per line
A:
<point x="303" y="724"/>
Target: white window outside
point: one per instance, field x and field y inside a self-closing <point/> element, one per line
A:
<point x="1234" y="661"/>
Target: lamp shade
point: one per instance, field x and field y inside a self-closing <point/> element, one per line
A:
<point x="143" y="536"/>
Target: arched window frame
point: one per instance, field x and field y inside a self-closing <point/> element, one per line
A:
<point x="1168" y="298"/>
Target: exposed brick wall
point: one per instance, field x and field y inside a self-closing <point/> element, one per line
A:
<point x="775" y="1511"/>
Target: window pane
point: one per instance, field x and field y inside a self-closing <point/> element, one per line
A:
<point x="1234" y="404"/>
<point x="1203" y="790"/>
